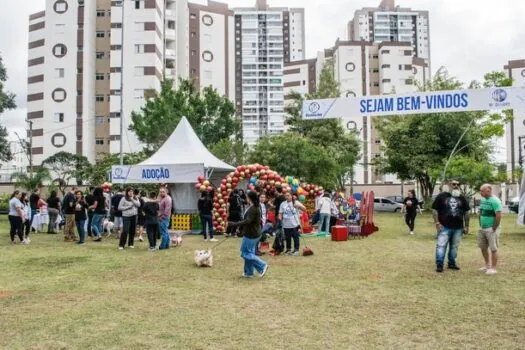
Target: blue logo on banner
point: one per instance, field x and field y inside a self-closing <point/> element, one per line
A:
<point x="314" y="107"/>
<point x="499" y="95"/>
<point x="120" y="174"/>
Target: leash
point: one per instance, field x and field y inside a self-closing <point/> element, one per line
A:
<point x="221" y="242"/>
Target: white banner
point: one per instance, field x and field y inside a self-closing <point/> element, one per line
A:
<point x="416" y="103"/>
<point x="137" y="174"/>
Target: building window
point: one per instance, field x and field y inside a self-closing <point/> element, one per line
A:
<point x="101" y="13"/>
<point x="60" y="6"/>
<point x="100" y="55"/>
<point x="100" y="34"/>
<point x="59" y="95"/>
<point x="137" y="4"/>
<point x="116" y="25"/>
<point x="193" y="16"/>
<point x="139" y="48"/>
<point x="59" y="117"/>
<point x="375" y="57"/>
<point x="193" y="52"/>
<point x="58" y="140"/>
<point x="99" y="141"/>
<point x="385" y="66"/>
<point x="99" y="98"/>
<point x="193" y="34"/>
<point x="350" y="67"/>
<point x="385" y="52"/>
<point x="207" y="20"/>
<point x="116" y="47"/>
<point x="99" y="76"/>
<point x="59" y="50"/>
<point x="207" y="56"/>
<point x="386" y="81"/>
<point x="59" y="72"/>
<point x="99" y="120"/>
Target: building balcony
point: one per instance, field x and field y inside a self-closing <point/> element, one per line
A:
<point x="170" y="54"/>
<point x="171" y="14"/>
<point x="171" y="34"/>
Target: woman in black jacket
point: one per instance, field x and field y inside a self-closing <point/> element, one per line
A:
<point x="251" y="228"/>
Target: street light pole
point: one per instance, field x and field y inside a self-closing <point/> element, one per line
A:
<point x="121" y="140"/>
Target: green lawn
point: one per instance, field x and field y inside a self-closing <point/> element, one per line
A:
<point x="380" y="292"/>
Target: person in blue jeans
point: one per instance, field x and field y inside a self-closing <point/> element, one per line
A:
<point x="165" y="206"/>
<point x="99" y="209"/>
<point x="325" y="204"/>
<point x="251" y="228"/>
<point x="451" y="216"/>
<point x="80" y="216"/>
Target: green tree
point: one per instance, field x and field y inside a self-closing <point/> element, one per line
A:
<point x="342" y="146"/>
<point x="27" y="182"/>
<point x="230" y="151"/>
<point x="66" y="167"/>
<point x="212" y="116"/>
<point x="97" y="173"/>
<point x="294" y="154"/>
<point x="417" y="147"/>
<point x="7" y="101"/>
<point x="472" y="173"/>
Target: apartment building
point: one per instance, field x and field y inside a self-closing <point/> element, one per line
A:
<point x="391" y="23"/>
<point x="92" y="63"/>
<point x="361" y="68"/>
<point x="265" y="39"/>
<point x="515" y="130"/>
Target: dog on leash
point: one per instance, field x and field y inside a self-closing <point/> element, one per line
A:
<point x="203" y="258"/>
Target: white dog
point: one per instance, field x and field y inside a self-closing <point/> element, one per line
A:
<point x="176" y="240"/>
<point x="203" y="258"/>
<point x="108" y="227"/>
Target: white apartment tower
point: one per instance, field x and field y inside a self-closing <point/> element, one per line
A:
<point x="89" y="59"/>
<point x="265" y="39"/>
<point x="389" y="22"/>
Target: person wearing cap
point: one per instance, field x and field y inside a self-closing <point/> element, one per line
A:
<point x="451" y="217"/>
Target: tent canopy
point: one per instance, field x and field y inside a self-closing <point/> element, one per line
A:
<point x="185" y="147"/>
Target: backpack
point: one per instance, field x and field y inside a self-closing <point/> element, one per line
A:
<point x="278" y="243"/>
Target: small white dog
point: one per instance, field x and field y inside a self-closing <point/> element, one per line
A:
<point x="203" y="258"/>
<point x="108" y="227"/>
<point x="176" y="240"/>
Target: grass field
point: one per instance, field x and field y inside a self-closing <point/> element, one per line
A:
<point x="380" y="292"/>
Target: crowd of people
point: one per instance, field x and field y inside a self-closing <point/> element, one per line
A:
<point x="96" y="214"/>
<point x="250" y="216"/>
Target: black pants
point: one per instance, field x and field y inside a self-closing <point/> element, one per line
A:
<point x="152" y="231"/>
<point x="27" y="226"/>
<point x="233" y="217"/>
<point x="410" y="220"/>
<point x="90" y="219"/>
<point x="129" y="230"/>
<point x="16" y="227"/>
<point x="289" y="234"/>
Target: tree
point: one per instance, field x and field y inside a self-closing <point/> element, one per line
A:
<point x="230" y="151"/>
<point x="293" y="154"/>
<point x="343" y="147"/>
<point x="25" y="181"/>
<point x="66" y="166"/>
<point x="417" y="147"/>
<point x="212" y="116"/>
<point x="97" y="173"/>
<point x="7" y="102"/>
<point x="472" y="174"/>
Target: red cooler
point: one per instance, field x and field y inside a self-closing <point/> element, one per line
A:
<point x="339" y="233"/>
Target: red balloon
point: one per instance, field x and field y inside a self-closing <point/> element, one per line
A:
<point x="197" y="186"/>
<point x="216" y="205"/>
<point x="221" y="211"/>
<point x="264" y="177"/>
<point x="210" y="188"/>
<point x="223" y="181"/>
<point x="235" y="180"/>
<point x="236" y="173"/>
<point x="254" y="169"/>
<point x="224" y="193"/>
<point x="241" y="168"/>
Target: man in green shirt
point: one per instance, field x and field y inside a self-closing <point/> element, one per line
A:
<point x="489" y="223"/>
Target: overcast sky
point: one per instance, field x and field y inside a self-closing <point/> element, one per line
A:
<point x="469" y="37"/>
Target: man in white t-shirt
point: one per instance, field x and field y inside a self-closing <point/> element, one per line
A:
<point x="289" y="216"/>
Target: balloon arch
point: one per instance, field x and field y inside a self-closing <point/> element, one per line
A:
<point x="259" y="177"/>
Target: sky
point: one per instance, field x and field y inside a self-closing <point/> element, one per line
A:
<point x="468" y="37"/>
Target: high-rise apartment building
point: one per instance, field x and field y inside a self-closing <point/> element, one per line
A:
<point x="389" y="22"/>
<point x="265" y="39"/>
<point x="92" y="63"/>
<point x="361" y="68"/>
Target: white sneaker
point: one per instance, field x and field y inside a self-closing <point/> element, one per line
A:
<point x="214" y="240"/>
<point x="264" y="271"/>
<point x="120" y="248"/>
<point x="483" y="269"/>
<point x="491" y="272"/>
<point x="411" y="232"/>
<point x="24" y="242"/>
<point x="28" y="240"/>
<point x="152" y="249"/>
<point x="141" y="239"/>
<point x="296" y="253"/>
<point x="131" y="247"/>
<point x="206" y="240"/>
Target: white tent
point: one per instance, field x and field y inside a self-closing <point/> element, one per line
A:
<point x="179" y="161"/>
